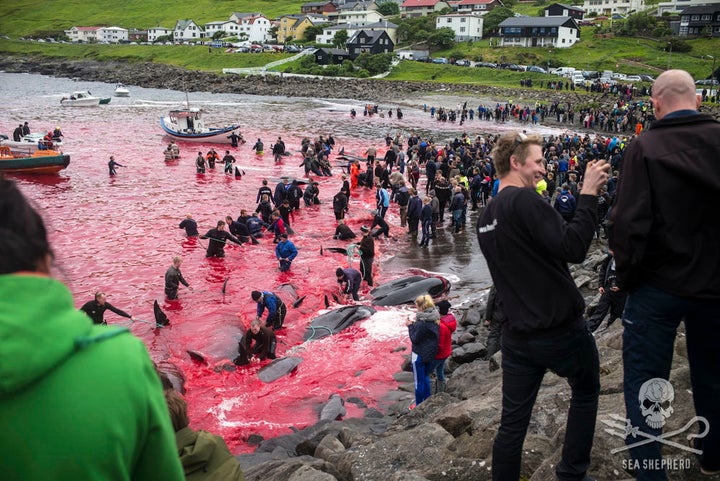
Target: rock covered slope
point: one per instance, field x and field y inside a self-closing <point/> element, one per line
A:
<point x="449" y="437"/>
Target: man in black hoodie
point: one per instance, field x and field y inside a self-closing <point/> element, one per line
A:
<point x="544" y="328"/>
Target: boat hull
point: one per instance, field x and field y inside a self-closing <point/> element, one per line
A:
<point x="80" y="103"/>
<point x="38" y="164"/>
<point x="212" y="135"/>
<point x="122" y="93"/>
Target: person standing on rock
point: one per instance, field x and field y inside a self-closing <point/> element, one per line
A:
<point x="611" y="297"/>
<point x="667" y="257"/>
<point x="544" y="327"/>
<point x="424" y="333"/>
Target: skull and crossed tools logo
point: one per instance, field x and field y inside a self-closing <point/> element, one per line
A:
<point x="655" y="397"/>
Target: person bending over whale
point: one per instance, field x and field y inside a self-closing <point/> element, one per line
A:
<point x="351" y="278"/>
<point x="275" y="307"/>
<point x="259" y="341"/>
<point x="97" y="307"/>
<point x="218" y="238"/>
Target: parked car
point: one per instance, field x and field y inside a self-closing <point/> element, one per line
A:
<point x="706" y="81"/>
<point x="422" y="59"/>
<point x="633" y="78"/>
<point x="462" y="62"/>
<point x="486" y="64"/>
<point x="647" y="78"/>
<point x="562" y="71"/>
<point x="590" y="74"/>
<point x="536" y="69"/>
<point x="440" y="60"/>
<point x="512" y="66"/>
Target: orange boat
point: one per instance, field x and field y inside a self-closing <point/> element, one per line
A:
<point x="41" y="162"/>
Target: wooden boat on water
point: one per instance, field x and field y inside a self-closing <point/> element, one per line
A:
<point x="40" y="162"/>
<point x="187" y="124"/>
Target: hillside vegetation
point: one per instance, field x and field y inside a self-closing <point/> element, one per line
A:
<point x="33" y="18"/>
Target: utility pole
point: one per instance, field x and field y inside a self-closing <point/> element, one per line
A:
<point x="712" y="73"/>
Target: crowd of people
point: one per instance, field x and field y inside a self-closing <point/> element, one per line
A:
<point x="542" y="201"/>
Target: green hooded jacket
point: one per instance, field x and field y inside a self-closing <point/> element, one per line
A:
<point x="77" y="401"/>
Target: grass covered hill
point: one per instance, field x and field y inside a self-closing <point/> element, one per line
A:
<point x="43" y="17"/>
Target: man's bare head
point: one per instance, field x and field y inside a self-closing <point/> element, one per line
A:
<point x="674" y="90"/>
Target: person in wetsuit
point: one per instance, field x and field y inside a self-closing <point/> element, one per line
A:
<point x="275" y="306"/>
<point x="218" y="238"/>
<point x="96" y="308"/>
<point x="259" y="340"/>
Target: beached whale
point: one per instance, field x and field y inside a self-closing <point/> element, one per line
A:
<point x="336" y="320"/>
<point x="407" y="289"/>
<point x="278" y="368"/>
<point x="333" y="409"/>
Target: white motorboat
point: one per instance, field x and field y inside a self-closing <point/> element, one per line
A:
<point x="187" y="124"/>
<point x="121" y="91"/>
<point x="30" y="143"/>
<point x="80" y="98"/>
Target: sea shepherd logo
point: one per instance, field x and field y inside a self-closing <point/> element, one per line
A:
<point x="656" y="397"/>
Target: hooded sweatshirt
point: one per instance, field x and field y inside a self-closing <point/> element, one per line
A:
<point x="425" y="334"/>
<point x="77" y="401"/>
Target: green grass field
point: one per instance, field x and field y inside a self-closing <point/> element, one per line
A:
<point x="628" y="55"/>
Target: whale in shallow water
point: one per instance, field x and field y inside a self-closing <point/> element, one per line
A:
<point x="407" y="289"/>
<point x="336" y="320"/>
<point x="333" y="409"/>
<point x="278" y="368"/>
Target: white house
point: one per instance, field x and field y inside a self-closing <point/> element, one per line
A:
<point x="229" y="27"/>
<point x="187" y="31"/>
<point x="558" y="32"/>
<point x="112" y="34"/>
<point x="157" y="32"/>
<point x="255" y="25"/>
<point x="608" y="7"/>
<point x="466" y="26"/>
<point x="357" y="16"/>
<point x="82" y="34"/>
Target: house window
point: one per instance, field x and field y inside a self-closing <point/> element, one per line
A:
<point x="462" y="29"/>
<point x="449" y="20"/>
<point x="462" y="20"/>
<point x="695" y="18"/>
<point x="706" y="18"/>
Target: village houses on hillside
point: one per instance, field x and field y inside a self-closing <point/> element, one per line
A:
<point x="368" y="30"/>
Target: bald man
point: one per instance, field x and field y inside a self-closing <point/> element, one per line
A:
<point x="666" y="238"/>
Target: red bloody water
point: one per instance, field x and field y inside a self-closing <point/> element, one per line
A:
<point x="120" y="234"/>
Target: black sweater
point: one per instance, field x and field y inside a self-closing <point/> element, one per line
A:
<point x="527" y="246"/>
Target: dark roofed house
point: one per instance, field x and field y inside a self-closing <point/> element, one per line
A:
<point x="696" y="21"/>
<point x="372" y="42"/>
<point x="323" y="8"/>
<point x="562" y="10"/>
<point x="331" y="56"/>
<point x="558" y="32"/>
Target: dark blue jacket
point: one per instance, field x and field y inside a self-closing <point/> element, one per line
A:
<point x="425" y="334"/>
<point x="271" y="301"/>
<point x="414" y="207"/>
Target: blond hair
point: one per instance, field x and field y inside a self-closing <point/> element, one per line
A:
<point x="424" y="302"/>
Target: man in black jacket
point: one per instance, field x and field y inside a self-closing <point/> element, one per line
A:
<point x="665" y="238"/>
<point x="544" y="328"/>
<point x="97" y="307"/>
<point x="218" y="238"/>
<point x="259" y="340"/>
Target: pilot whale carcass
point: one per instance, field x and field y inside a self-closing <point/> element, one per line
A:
<point x="336" y="320"/>
<point x="407" y="289"/>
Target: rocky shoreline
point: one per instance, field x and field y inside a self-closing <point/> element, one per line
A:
<point x="152" y="75"/>
<point x="449" y="437"/>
